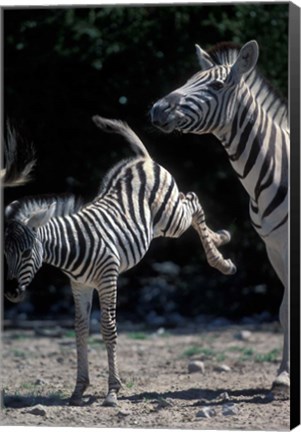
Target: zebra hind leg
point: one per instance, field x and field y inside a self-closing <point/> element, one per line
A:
<point x="107" y="297"/>
<point x="220" y="237"/>
<point x="210" y="240"/>
<point x="83" y="302"/>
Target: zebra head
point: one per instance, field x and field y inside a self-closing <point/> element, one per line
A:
<point x="23" y="247"/>
<point x="206" y="103"/>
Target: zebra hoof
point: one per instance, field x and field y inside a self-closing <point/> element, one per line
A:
<point x="281" y="387"/>
<point x="225" y="237"/>
<point x="280" y="392"/>
<point x="231" y="270"/>
<point x="76" y="402"/>
<point x="110" y="400"/>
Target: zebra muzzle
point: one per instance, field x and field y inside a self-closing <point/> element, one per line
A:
<point x="16" y="295"/>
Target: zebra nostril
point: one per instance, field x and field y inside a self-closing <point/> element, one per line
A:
<point x="161" y="110"/>
<point x="155" y="122"/>
<point x="156" y="113"/>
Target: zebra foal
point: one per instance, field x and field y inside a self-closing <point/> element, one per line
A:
<point x="93" y="243"/>
<point x="231" y="99"/>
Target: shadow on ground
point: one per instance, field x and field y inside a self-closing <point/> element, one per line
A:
<point x="211" y="397"/>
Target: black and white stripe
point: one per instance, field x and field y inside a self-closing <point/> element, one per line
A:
<point x="232" y="100"/>
<point x="93" y="243"/>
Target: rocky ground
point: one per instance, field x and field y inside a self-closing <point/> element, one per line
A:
<point x="196" y="378"/>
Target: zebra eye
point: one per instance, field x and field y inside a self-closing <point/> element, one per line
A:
<point x="216" y="85"/>
<point x="26" y="253"/>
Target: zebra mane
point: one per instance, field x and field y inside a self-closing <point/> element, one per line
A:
<point x="225" y="53"/>
<point x="21" y="210"/>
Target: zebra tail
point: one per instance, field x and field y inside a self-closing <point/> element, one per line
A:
<point x="122" y="128"/>
<point x="19" y="161"/>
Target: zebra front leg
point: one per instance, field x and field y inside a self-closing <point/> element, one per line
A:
<point x="279" y="261"/>
<point x="281" y="384"/>
<point x="83" y="302"/>
<point x="210" y="239"/>
<point x="107" y="298"/>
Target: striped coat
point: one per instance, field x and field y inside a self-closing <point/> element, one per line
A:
<point x="232" y="100"/>
<point x="95" y="242"/>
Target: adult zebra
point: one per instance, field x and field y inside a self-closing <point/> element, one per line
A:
<point x="93" y="243"/>
<point x="230" y="99"/>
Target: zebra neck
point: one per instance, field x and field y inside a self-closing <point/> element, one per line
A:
<point x="54" y="237"/>
<point x="258" y="150"/>
<point x="250" y="143"/>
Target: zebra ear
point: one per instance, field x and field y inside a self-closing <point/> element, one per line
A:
<point x="205" y="61"/>
<point x="41" y="217"/>
<point x="246" y="60"/>
<point x="9" y="210"/>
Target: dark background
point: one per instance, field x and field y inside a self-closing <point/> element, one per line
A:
<point x="62" y="65"/>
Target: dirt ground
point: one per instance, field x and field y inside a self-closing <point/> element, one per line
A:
<point x="231" y="391"/>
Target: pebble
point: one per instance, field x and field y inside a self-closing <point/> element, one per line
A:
<point x="123" y="413"/>
<point x="165" y="403"/>
<point x="196" y="366"/>
<point x="222" y="368"/>
<point x="37" y="410"/>
<point x="206" y="412"/>
<point x="244" y="335"/>
<point x="40" y="382"/>
<point x="230" y="409"/>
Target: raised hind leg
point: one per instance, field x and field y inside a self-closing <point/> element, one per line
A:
<point x="220" y="237"/>
<point x="188" y="212"/>
<point x="210" y="240"/>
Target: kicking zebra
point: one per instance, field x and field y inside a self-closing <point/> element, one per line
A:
<point x="95" y="242"/>
<point x="230" y="99"/>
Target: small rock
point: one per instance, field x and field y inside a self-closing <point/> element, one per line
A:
<point x="225" y="396"/>
<point x="206" y="412"/>
<point x="160" y="331"/>
<point x="40" y="382"/>
<point x="165" y="403"/>
<point x="222" y="368"/>
<point x="196" y="366"/>
<point x="230" y="409"/>
<point x="37" y="410"/>
<point x="123" y="413"/>
<point x="244" y="335"/>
